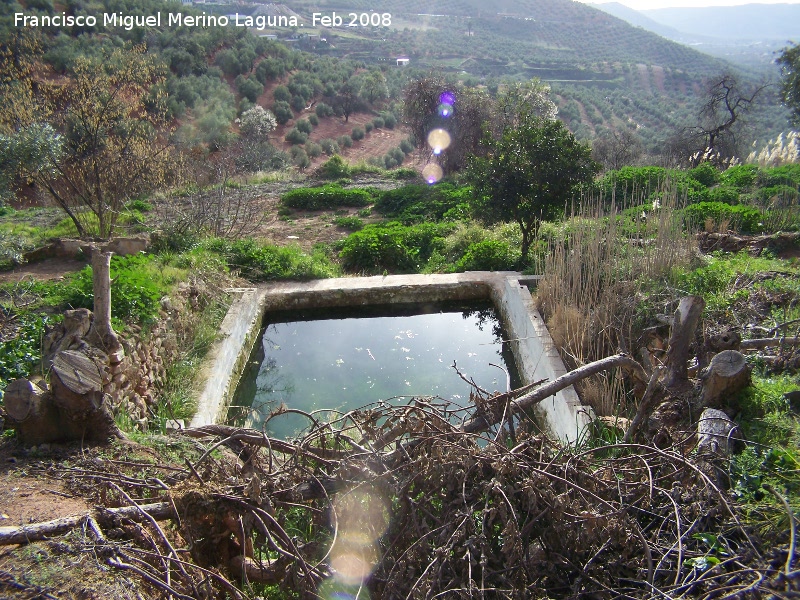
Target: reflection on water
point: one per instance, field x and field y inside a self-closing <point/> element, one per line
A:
<point x="343" y="362"/>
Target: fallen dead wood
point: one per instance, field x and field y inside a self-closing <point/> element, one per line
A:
<point x="482" y="423"/>
<point x="768" y="342"/>
<point x="25" y="534"/>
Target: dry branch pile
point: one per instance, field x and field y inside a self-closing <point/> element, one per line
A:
<point x="402" y="502"/>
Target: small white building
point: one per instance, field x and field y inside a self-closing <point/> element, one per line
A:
<point x="403" y="62"/>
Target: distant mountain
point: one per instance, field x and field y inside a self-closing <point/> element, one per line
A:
<point x="749" y="35"/>
<point x="747" y="22"/>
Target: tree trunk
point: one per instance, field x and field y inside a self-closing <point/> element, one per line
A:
<point x="684" y="324"/>
<point x="726" y="375"/>
<point x="716" y="433"/>
<point x="101" y="286"/>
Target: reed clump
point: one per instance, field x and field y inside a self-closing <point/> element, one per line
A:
<point x="599" y="267"/>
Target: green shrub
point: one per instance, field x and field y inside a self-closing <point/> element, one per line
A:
<point x="325" y="197"/>
<point x="264" y="262"/>
<point x="389" y="162"/>
<point x="389" y="120"/>
<point x="304" y="125"/>
<point x="135" y="293"/>
<point x="706" y="174"/>
<point x="421" y="202"/>
<point x="22" y="353"/>
<point x="725" y="194"/>
<point x="351" y="223"/>
<point x="743" y="218"/>
<point x="313" y="149"/>
<point x="283" y="112"/>
<point x="392" y="247"/>
<point x="300" y="158"/>
<point x="329" y="146"/>
<point x="368" y="127"/>
<point x="313" y="119"/>
<point x="282" y="94"/>
<point x="334" y="168"/>
<point x="323" y="110"/>
<point x="740" y="176"/>
<point x="377" y="122"/>
<point x="358" y="133"/>
<point x="489" y="255"/>
<point x="779" y="195"/>
<point x="295" y="136"/>
<point x="406" y="146"/>
<point x="345" y="141"/>
<point x="139" y="205"/>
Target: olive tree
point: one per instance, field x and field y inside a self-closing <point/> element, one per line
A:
<point x="789" y="60"/>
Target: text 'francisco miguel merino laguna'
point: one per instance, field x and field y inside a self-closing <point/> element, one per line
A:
<point x="171" y="20"/>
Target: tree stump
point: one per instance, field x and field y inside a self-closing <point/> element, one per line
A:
<point x="727" y="374"/>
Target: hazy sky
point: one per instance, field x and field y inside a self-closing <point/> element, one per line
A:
<point x="646" y="4"/>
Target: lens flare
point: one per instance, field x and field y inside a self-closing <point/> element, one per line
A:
<point x="361" y="517"/>
<point x="445" y="110"/>
<point x="447" y="97"/>
<point x="432" y="173"/>
<point x="439" y="140"/>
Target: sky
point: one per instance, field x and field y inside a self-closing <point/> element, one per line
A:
<point x="648" y="4"/>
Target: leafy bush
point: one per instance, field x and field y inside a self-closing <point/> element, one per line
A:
<point x="421" y="202"/>
<point x="706" y="173"/>
<point x="20" y="354"/>
<point x="406" y="146"/>
<point x="725" y="194"/>
<point x="323" y="110"/>
<point x="283" y="112"/>
<point x="329" y="146"/>
<point x="345" y="141"/>
<point x="300" y="158"/>
<point x="740" y="176"/>
<point x="324" y="197"/>
<point x="264" y="262"/>
<point x="334" y="168"/>
<point x="351" y="223"/>
<point x="392" y="247"/>
<point x="135" y="294"/>
<point x="313" y="119"/>
<point x="368" y="127"/>
<point x="282" y="94"/>
<point x="743" y="218"/>
<point x="389" y="120"/>
<point x="378" y="122"/>
<point x="304" y="125"/>
<point x="295" y="136"/>
<point x="139" y="205"/>
<point x="358" y="133"/>
<point x="313" y="149"/>
<point x="489" y="255"/>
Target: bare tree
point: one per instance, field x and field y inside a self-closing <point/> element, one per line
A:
<point x="617" y="148"/>
<point x="715" y="137"/>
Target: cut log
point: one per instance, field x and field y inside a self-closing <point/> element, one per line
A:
<point x="31" y="413"/>
<point x="23" y="400"/>
<point x="767" y="342"/>
<point x="716" y="433"/>
<point x="684" y="325"/>
<point x="250" y="570"/>
<point x="77" y="382"/>
<point x="77" y="388"/>
<point x="26" y="534"/>
<point x="727" y="374"/>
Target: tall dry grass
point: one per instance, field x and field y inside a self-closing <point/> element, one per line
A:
<point x="596" y="277"/>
